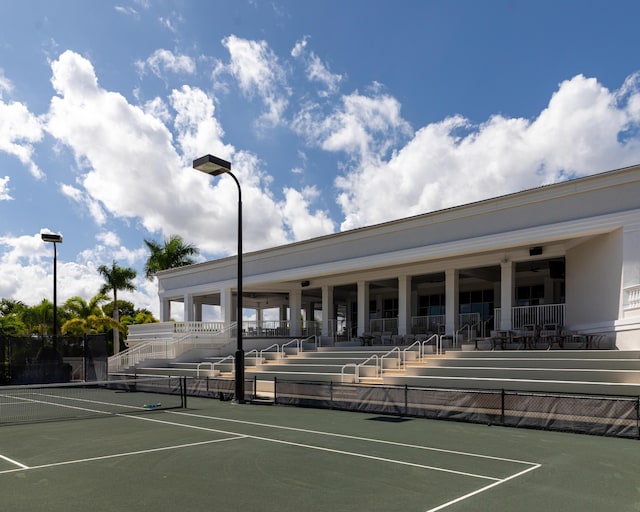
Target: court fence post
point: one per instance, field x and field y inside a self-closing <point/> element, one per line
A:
<point x="331" y="393"/>
<point x="406" y="399"/>
<point x="275" y="390"/>
<point x="638" y="418"/>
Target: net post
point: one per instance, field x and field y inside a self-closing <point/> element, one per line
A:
<point x="183" y="385"/>
<point x="502" y="407"/>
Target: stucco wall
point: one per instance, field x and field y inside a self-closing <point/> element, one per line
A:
<point x="593" y="277"/>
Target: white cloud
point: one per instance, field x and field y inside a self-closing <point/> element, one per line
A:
<point x="5" y="83"/>
<point x="365" y="127"/>
<point x="128" y="11"/>
<point x="303" y="224"/>
<point x="163" y="60"/>
<point x="454" y="162"/>
<point x="108" y="238"/>
<point x="4" y="189"/>
<point x="258" y="72"/>
<point x="19" y="131"/>
<point x="85" y="201"/>
<point x="317" y="70"/>
<point x="139" y="171"/>
<point x="300" y="46"/>
<point x="26" y="265"/>
<point x="196" y="124"/>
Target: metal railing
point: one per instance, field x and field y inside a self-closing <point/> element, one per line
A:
<point x="389" y="325"/>
<point x="167" y="347"/>
<point x="535" y="315"/>
<point x="424" y="324"/>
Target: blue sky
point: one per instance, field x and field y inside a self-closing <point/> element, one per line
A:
<point x="334" y="114"/>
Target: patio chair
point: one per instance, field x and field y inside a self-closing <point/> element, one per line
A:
<point x="552" y="333"/>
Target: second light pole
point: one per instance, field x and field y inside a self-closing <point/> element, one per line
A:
<point x="55" y="239"/>
<point x="215" y="166"/>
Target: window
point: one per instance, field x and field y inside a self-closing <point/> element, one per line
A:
<point x="530" y="295"/>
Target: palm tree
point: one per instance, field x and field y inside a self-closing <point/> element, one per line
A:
<point x="175" y="253"/>
<point x="117" y="278"/>
<point x="87" y="316"/>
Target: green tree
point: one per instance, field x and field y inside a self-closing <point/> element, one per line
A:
<point x="87" y="317"/>
<point x="38" y="319"/>
<point x="11" y="322"/>
<point x="174" y="253"/>
<point x="116" y="278"/>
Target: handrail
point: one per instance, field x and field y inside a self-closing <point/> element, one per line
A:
<point x="296" y="341"/>
<point x="433" y="337"/>
<point x="408" y="349"/>
<point x="211" y="363"/>
<point x="270" y="347"/>
<point x="465" y="326"/>
<point x="246" y="356"/>
<point x="356" y="376"/>
<point x="315" y="340"/>
<point x="400" y="365"/>
<point x="377" y="369"/>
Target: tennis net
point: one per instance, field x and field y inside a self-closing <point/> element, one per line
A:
<point x="50" y="402"/>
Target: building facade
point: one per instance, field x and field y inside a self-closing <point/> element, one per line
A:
<point x="565" y="254"/>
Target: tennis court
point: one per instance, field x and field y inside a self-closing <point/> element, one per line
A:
<point x="216" y="455"/>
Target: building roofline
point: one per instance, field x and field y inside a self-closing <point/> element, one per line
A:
<point x="540" y="193"/>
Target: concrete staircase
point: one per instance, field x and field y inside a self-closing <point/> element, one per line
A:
<point x="599" y="372"/>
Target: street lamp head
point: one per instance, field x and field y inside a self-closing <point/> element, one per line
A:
<point x="51" y="237"/>
<point x="212" y="165"/>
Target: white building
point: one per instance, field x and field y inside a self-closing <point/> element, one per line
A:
<point x="567" y="253"/>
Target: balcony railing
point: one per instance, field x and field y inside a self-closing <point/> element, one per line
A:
<point x="632" y="297"/>
<point x="533" y="315"/>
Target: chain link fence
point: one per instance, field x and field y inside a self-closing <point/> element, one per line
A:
<point x="38" y="360"/>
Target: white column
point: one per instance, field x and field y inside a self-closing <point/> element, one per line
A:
<point x="165" y="310"/>
<point x="188" y="307"/>
<point x="507" y="272"/>
<point x="452" y="300"/>
<point x="226" y="306"/>
<point x="404" y="305"/>
<point x="197" y="313"/>
<point x="295" y="308"/>
<point x="363" y="307"/>
<point x="327" y="310"/>
<point x="308" y="316"/>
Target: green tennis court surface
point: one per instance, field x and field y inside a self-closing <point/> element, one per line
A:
<point x="223" y="456"/>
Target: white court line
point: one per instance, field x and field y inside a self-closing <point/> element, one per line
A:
<point x="357" y="438"/>
<point x="238" y="435"/>
<point x="15" y="462"/>
<point x="116" y="455"/>
<point x="482" y="489"/>
<point x="313" y="447"/>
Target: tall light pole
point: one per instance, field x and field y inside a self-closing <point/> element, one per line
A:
<point x="55" y="239"/>
<point x="215" y="166"/>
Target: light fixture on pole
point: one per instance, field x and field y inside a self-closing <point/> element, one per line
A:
<point x="215" y="166"/>
<point x="55" y="239"/>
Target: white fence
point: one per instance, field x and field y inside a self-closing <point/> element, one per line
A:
<point x="533" y="315"/>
